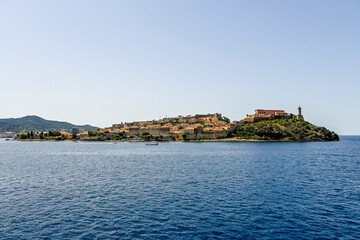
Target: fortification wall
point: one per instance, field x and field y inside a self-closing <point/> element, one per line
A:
<point x="191" y="136"/>
<point x="275" y="116"/>
<point x="156" y="131"/>
<point x="212" y="135"/>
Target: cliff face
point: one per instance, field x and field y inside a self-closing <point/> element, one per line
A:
<point x="285" y="130"/>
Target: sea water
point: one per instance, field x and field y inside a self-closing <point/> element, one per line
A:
<point x="180" y="190"/>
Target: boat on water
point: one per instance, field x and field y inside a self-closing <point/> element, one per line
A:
<point x="152" y="143"/>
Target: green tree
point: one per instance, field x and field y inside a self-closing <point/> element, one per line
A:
<point x="23" y="136"/>
<point x="92" y="133"/>
<point x="56" y="134"/>
<point x="74" y="137"/>
<point x="184" y="136"/>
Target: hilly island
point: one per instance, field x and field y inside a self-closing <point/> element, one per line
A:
<point x="37" y="124"/>
<point x="263" y="125"/>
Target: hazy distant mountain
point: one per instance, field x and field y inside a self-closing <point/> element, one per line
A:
<point x="35" y="123"/>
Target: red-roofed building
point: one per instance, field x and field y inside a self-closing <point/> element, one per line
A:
<point x="134" y="130"/>
<point x="264" y="114"/>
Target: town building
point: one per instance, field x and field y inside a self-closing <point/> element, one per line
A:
<point x="75" y="130"/>
<point x="268" y="114"/>
<point x="211" y="125"/>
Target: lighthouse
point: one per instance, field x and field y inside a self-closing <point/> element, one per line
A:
<point x="300" y="116"/>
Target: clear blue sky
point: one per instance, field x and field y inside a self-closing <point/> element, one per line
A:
<point x="103" y="62"/>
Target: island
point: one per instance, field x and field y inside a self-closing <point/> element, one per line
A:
<point x="263" y="125"/>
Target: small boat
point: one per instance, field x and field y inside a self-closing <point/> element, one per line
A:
<point x="152" y="143"/>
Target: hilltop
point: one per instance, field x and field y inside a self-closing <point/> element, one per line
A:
<point x="284" y="130"/>
<point x="35" y="123"/>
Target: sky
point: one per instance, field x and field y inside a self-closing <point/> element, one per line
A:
<point x="105" y="62"/>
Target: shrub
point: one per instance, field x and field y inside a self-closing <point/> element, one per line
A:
<point x="56" y="134"/>
<point x="225" y="119"/>
<point x="92" y="133"/>
<point x="118" y="137"/>
<point x="23" y="136"/>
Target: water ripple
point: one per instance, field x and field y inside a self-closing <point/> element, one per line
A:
<point x="62" y="190"/>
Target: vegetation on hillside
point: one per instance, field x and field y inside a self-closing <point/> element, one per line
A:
<point x="37" y="124"/>
<point x="285" y="130"/>
<point x="43" y="136"/>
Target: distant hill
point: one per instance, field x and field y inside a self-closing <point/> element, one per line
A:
<point x="35" y="123"/>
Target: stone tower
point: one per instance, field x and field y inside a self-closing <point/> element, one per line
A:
<point x="299" y="116"/>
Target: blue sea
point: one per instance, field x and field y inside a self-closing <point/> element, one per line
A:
<point x="177" y="190"/>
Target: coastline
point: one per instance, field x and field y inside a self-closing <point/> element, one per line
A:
<point x="193" y="141"/>
<point x="263" y="126"/>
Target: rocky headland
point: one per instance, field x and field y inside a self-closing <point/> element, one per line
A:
<point x="263" y="125"/>
<point x="284" y="130"/>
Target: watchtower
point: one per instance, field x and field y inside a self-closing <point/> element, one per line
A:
<point x="299" y="116"/>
